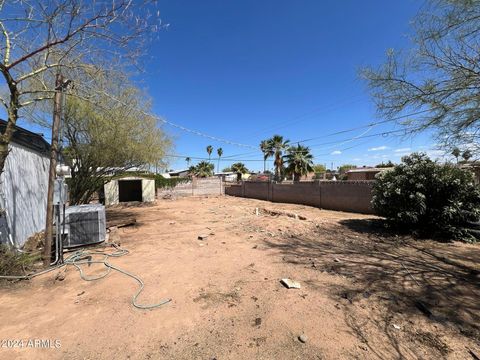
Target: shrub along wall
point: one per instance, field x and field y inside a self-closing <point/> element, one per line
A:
<point x="353" y="196"/>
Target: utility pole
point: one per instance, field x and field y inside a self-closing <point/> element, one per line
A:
<point x="57" y="114"/>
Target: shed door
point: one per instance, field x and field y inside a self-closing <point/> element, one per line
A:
<point x="129" y="190"/>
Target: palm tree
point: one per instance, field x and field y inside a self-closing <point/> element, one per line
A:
<point x="456" y="153"/>
<point x="299" y="160"/>
<point x="267" y="152"/>
<point x="240" y="169"/>
<point x="192" y="170"/>
<point x="220" y="153"/>
<point x="277" y="145"/>
<point x="209" y="151"/>
<point x="187" y="159"/>
<point x="203" y="169"/>
<point x="467" y="155"/>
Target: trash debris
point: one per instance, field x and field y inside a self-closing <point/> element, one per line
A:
<point x="284" y="213"/>
<point x="336" y="260"/>
<point x="290" y="284"/>
<point x="202" y="237"/>
<point x="79" y="294"/>
<point x="396" y="326"/>
<point x="303" y="338"/>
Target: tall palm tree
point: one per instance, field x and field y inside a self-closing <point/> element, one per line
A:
<point x="267" y="152"/>
<point x="456" y="153"/>
<point x="278" y="145"/>
<point x="240" y="169"/>
<point x="299" y="161"/>
<point x="209" y="151"/>
<point x="187" y="159"/>
<point x="219" y="153"/>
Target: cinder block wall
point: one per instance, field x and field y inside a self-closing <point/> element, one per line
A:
<point x="353" y="196"/>
<point x="305" y="193"/>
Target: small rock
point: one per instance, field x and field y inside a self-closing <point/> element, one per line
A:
<point x="172" y="222"/>
<point x="303" y="338"/>
<point x="202" y="237"/>
<point x="212" y="233"/>
<point x="258" y="321"/>
<point x="60" y="276"/>
<point x="336" y="260"/>
<point x="79" y="294"/>
<point x="364" y="347"/>
<point x="290" y="284"/>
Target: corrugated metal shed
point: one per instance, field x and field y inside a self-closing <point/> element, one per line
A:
<point x="24" y="183"/>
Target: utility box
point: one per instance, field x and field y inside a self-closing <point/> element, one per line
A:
<point x="84" y="225"/>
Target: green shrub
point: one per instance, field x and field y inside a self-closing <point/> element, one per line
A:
<point x="427" y="198"/>
<point x="163" y="183"/>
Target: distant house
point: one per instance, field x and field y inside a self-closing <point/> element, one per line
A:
<point x="179" y="173"/>
<point x="23" y="186"/>
<point x="227" y="176"/>
<point x="364" y="173"/>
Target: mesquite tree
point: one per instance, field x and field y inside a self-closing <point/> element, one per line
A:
<point x="108" y="137"/>
<point x="439" y="78"/>
<point x="76" y="37"/>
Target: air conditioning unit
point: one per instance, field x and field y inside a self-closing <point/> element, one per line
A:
<point x="84" y="225"/>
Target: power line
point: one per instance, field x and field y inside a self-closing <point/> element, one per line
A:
<point x="303" y="117"/>
<point x="365" y="126"/>
<point x="196" y="132"/>
<point x="207" y="159"/>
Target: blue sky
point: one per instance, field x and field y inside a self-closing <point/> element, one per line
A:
<point x="245" y="70"/>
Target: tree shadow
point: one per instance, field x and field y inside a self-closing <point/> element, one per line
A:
<point x="418" y="279"/>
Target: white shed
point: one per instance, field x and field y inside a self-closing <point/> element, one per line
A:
<point x="23" y="186"/>
<point x="130" y="188"/>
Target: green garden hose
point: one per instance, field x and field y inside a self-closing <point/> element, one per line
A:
<point x="82" y="257"/>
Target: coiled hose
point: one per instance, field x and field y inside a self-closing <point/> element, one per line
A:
<point x="82" y="257"/>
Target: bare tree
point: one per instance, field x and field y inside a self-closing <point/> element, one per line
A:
<point x="439" y="79"/>
<point x="76" y="37"/>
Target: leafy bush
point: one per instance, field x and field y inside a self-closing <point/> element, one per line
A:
<point x="163" y="183"/>
<point x="429" y="199"/>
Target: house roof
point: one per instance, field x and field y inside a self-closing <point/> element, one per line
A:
<point x="27" y="138"/>
<point x="178" y="171"/>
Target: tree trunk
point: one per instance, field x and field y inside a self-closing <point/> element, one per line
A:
<point x="239" y="177"/>
<point x="6" y="137"/>
<point x="296" y="177"/>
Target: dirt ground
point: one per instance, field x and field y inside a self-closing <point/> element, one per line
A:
<point x="364" y="293"/>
